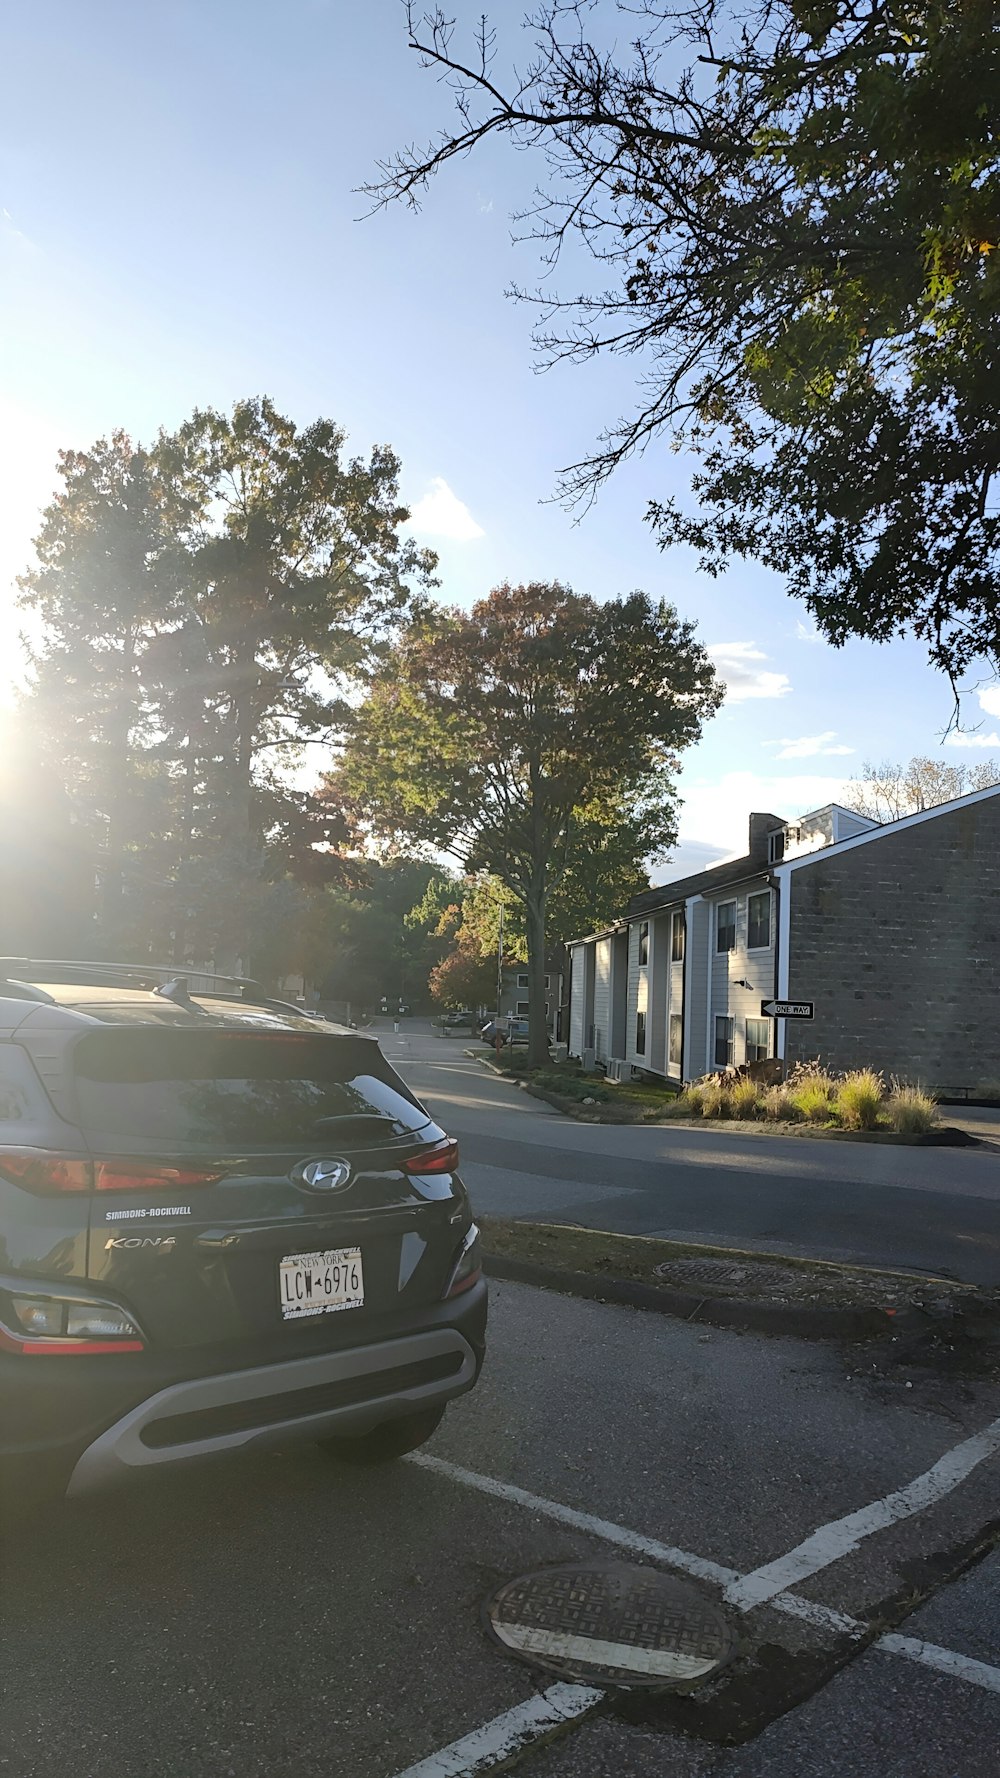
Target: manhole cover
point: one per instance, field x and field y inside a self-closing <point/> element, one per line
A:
<point x="612" y="1623"/>
<point x="727" y="1273"/>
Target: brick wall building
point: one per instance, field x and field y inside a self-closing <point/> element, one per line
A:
<point x="895" y="937"/>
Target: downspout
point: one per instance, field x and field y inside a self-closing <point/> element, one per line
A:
<point x="684" y="997"/>
<point x="782" y="924"/>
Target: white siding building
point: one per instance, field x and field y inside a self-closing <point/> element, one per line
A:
<point x="889" y="933"/>
<point x="687" y="967"/>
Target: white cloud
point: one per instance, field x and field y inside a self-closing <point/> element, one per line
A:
<point x="989" y="700"/>
<point x="810" y="746"/>
<point x="717" y="814"/>
<point x="736" y="663"/>
<point x="442" y="514"/>
<point x="808" y="632"/>
<point x="965" y="738"/>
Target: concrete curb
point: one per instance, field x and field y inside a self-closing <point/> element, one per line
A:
<point x="794" y="1319"/>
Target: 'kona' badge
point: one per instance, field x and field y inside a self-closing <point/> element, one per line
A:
<point x="161" y="1241"/>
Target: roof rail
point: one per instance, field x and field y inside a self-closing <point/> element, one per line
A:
<point x="134" y="975"/>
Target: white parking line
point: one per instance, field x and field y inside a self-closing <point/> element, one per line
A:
<point x="837" y="1539"/>
<point x="633" y="1541"/>
<point x="944" y="1660"/>
<point x="810" y="1611"/>
<point x="537" y="1719"/>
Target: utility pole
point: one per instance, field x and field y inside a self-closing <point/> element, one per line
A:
<point x="500" y="959"/>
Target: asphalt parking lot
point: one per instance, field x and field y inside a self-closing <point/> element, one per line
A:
<point x="278" y="1614"/>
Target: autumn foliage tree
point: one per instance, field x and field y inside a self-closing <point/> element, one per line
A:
<point x="534" y="726"/>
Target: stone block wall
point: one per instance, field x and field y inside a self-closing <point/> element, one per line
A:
<point x="897" y="941"/>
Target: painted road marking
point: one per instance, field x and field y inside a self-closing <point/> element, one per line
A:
<point x="637" y="1545"/>
<point x="943" y="1660"/>
<point x="808" y="1611"/>
<point x="841" y="1536"/>
<point x="659" y="1663"/>
<point x="537" y="1719"/>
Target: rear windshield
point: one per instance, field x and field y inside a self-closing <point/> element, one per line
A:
<point x="240" y="1087"/>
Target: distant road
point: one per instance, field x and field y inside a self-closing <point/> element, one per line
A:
<point x="933" y="1210"/>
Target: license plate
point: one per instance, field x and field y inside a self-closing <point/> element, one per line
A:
<point x="319" y="1283"/>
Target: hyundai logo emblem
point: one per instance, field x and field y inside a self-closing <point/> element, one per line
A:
<point x="326" y="1176"/>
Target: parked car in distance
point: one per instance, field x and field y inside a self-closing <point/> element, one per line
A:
<point x="504" y="1031"/>
<point x="459" y="1019"/>
<point x="222" y="1223"/>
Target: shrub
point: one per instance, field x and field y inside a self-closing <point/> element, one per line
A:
<point x="859" y="1099"/>
<point x="911" y="1110"/>
<point x="744" y="1098"/>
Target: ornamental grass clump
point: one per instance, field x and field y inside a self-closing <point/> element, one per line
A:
<point x="911" y="1110"/>
<point x="779" y="1106"/>
<point x="688" y="1103"/>
<point x="714" y="1099"/>
<point x="812" y="1092"/>
<point x="744" y="1098"/>
<point x="859" y="1099"/>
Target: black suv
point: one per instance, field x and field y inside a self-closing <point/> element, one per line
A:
<point x="221" y="1223"/>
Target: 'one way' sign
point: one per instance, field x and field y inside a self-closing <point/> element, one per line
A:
<point x="786" y="1009"/>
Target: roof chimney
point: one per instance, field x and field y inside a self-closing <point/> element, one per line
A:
<point x="760" y="826"/>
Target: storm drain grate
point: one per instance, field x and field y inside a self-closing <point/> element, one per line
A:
<point x="729" y="1273"/>
<point x="612" y="1623"/>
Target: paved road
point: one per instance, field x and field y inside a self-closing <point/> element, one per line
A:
<point x="278" y="1615"/>
<point x="935" y="1210"/>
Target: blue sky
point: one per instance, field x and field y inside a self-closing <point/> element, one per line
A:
<point x="179" y="227"/>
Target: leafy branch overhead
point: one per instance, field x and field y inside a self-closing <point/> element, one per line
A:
<point x="794" y="214"/>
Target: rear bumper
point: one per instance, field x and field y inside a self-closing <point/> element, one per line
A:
<point x="347" y="1392"/>
<point x="314" y="1395"/>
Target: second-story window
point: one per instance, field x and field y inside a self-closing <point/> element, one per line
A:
<point x="725" y="926"/>
<point x="643" y="943"/>
<point x="759" y="921"/>
<point x="676" y="937"/>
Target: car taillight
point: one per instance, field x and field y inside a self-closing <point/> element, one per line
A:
<point x="468" y="1266"/>
<point x="136" y="1176"/>
<point x="46" y="1173"/>
<point x="442" y="1158"/>
<point x="43" y="1326"/>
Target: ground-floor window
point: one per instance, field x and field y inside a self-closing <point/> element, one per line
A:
<point x="640" y="1034"/>
<point x="676" y="1038"/>
<point x="724" y="1039"/>
<point x="758" y="1040"/>
<point x="522" y="1009"/>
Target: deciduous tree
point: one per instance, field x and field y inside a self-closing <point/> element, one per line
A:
<point x="888" y="791"/>
<point x="516" y="733"/>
